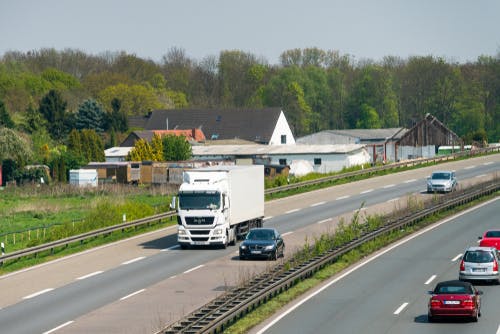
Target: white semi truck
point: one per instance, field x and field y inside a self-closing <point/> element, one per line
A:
<point x="220" y="204"/>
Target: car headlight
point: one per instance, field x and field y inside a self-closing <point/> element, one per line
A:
<point x="270" y="247"/>
<point x="243" y="247"/>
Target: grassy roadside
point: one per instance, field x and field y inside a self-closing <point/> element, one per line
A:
<point x="263" y="312"/>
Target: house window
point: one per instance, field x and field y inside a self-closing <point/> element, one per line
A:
<point x="283" y="139"/>
<point x="317" y="161"/>
<point x="283" y="162"/>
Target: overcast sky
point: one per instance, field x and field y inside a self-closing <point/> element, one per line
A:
<point x="458" y="30"/>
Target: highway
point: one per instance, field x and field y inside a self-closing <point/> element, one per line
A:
<point x="388" y="294"/>
<point x="140" y="284"/>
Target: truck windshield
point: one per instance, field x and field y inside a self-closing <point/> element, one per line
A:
<point x="199" y="200"/>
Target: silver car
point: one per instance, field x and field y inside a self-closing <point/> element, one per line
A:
<point x="479" y="263"/>
<point x="442" y="181"/>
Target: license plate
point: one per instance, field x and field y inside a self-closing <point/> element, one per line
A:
<point x="200" y="243"/>
<point x="452" y="302"/>
<point x="479" y="270"/>
<point x="256" y="252"/>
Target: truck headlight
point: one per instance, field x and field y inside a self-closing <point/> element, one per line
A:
<point x="181" y="232"/>
<point x="218" y="231"/>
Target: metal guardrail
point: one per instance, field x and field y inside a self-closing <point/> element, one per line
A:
<point x="80" y="237"/>
<point x="215" y="316"/>
<point x="371" y="170"/>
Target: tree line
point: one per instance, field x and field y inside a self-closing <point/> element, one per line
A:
<point x="46" y="94"/>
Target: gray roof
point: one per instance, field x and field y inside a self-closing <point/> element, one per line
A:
<point x="254" y="125"/>
<point x="364" y="135"/>
<point x="235" y="150"/>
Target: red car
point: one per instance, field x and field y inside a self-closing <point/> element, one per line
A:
<point x="490" y="238"/>
<point x="454" y="299"/>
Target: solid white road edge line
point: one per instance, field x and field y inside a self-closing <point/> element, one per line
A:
<point x="456" y="257"/>
<point x="38" y="293"/>
<point x="132" y="294"/>
<point x="287" y="233"/>
<point x="430" y="280"/>
<point x="90" y="275"/>
<point x="324" y="221"/>
<point x="291" y="211"/>
<point x="401" y="308"/>
<point x="59" y="327"/>
<point x="134" y="260"/>
<point x="267" y="218"/>
<point x="193" y="269"/>
<point x="316" y="204"/>
<point x="498" y="330"/>
<point x="368" y="260"/>
<point x="393" y="200"/>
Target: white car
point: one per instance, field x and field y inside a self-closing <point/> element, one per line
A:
<point x="442" y="181"/>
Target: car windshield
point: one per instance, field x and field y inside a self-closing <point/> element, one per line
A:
<point x="260" y="235"/>
<point x="478" y="257"/>
<point x="493" y="234"/>
<point x="453" y="289"/>
<point x="441" y="176"/>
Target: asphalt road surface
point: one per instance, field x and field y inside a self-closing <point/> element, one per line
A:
<point x="141" y="284"/>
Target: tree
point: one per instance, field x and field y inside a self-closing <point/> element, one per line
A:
<point x="368" y="119"/>
<point x="142" y="151"/>
<point x="176" y="148"/>
<point x="53" y="108"/>
<point x="14" y="146"/>
<point x="5" y="119"/>
<point x="135" y="99"/>
<point x="90" y="115"/>
<point x="117" y="120"/>
<point x="86" y="145"/>
<point x="33" y="120"/>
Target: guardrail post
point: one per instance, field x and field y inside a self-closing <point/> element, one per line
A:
<point x="3" y="252"/>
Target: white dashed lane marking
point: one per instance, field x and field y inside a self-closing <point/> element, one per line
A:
<point x="389" y="186"/>
<point x="324" y="221"/>
<point x="292" y="211"/>
<point x="410" y="181"/>
<point x="401" y="308"/>
<point x="132" y="294"/>
<point x="193" y="269"/>
<point x="134" y="260"/>
<point x="316" y="204"/>
<point x="342" y="197"/>
<point x="366" y="191"/>
<point x="90" y="275"/>
<point x="456" y="257"/>
<point x="58" y="327"/>
<point x="33" y="295"/>
<point x="430" y="280"/>
<point x="470" y="167"/>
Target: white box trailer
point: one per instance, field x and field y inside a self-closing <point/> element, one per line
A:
<point x="83" y="177"/>
<point x="219" y="204"/>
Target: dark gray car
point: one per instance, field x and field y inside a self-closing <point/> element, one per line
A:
<point x="262" y="243"/>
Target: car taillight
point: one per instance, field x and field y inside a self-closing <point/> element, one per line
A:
<point x="495" y="265"/>
<point x="468" y="302"/>
<point x="462" y="266"/>
<point x="435" y="302"/>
